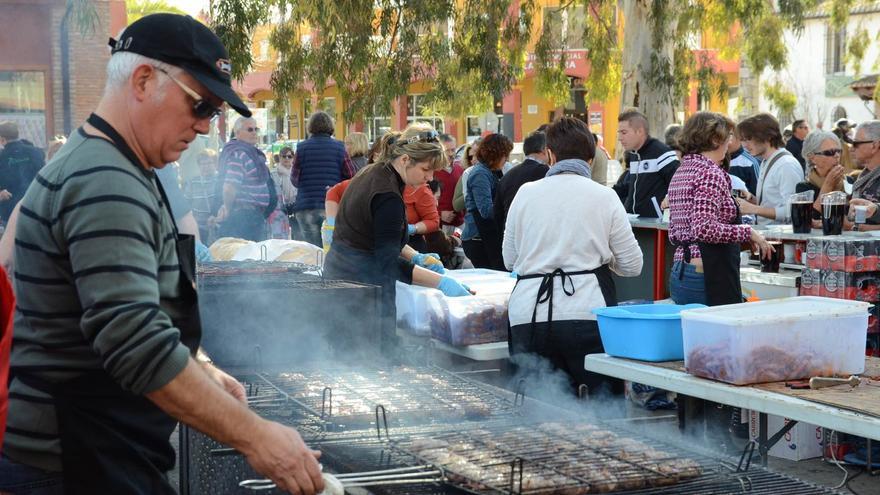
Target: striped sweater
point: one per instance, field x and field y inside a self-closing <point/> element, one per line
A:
<point x="97" y="283"/>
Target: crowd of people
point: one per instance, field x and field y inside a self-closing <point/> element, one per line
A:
<point x="106" y="357"/>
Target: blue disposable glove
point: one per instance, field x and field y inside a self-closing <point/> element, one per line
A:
<point x="331" y="221"/>
<point x="453" y="288"/>
<point x="431" y="261"/>
<point x="411" y="229"/>
<point x="202" y="252"/>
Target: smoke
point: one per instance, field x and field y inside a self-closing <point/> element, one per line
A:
<point x="537" y="378"/>
<point x="290" y="321"/>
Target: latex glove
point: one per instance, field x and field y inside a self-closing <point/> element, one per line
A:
<point x="431" y="261"/>
<point x="453" y="288"/>
<point x="202" y="252"/>
<point x="331" y="221"/>
<point x="327" y="228"/>
<point x="411" y="229"/>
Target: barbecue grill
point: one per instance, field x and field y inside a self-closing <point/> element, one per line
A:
<point x="504" y="452"/>
<point x="288" y="316"/>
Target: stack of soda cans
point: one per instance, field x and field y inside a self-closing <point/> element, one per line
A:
<point x="845" y="268"/>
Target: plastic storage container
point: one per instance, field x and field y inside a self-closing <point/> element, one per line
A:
<point x="458" y="321"/>
<point x="776" y="340"/>
<point x="648" y="332"/>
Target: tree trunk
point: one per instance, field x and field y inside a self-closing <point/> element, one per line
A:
<point x="749" y="91"/>
<point x="655" y="102"/>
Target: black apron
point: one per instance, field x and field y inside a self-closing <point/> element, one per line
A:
<point x="347" y="263"/>
<point x="545" y="292"/>
<point x="113" y="441"/>
<point x="720" y="268"/>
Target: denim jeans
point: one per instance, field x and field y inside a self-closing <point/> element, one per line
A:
<point x="309" y="222"/>
<point x="19" y="479"/>
<point x="688" y="287"/>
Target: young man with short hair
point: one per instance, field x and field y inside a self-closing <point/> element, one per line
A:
<point x="650" y="165"/>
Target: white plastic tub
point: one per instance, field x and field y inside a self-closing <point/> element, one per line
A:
<point x="464" y="320"/>
<point x="781" y="339"/>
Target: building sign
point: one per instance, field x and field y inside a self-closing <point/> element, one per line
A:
<point x="576" y="63"/>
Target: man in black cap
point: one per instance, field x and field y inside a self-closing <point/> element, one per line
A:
<point x="107" y="326"/>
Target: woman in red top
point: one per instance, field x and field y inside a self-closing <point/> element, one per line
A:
<point x="704" y="221"/>
<point x="422" y="215"/>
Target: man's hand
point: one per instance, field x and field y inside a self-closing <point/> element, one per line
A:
<point x="279" y="453"/>
<point x="745" y="207"/>
<point x="447" y="216"/>
<point x="872" y="206"/>
<point x="222" y="213"/>
<point x="229" y="384"/>
<point x="5" y="195"/>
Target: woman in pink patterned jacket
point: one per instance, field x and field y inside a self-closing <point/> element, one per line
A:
<point x="704" y="222"/>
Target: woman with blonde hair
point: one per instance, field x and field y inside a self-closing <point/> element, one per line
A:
<point x="357" y="146"/>
<point x="370" y="234"/>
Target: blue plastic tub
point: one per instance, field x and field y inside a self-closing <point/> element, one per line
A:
<point x="647" y="332"/>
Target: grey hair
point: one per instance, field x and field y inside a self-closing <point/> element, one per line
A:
<point x="872" y="129"/>
<point x="813" y="142"/>
<point x="122" y="65"/>
<point x="240" y="122"/>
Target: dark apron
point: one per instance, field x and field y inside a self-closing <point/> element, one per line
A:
<point x="113" y="441"/>
<point x="720" y="268"/>
<point x="545" y="293"/>
<point x="347" y="263"/>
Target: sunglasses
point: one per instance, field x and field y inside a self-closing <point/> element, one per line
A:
<point x="202" y="108"/>
<point x="832" y="152"/>
<point x="287" y="156"/>
<point x="424" y="137"/>
<point x="859" y="143"/>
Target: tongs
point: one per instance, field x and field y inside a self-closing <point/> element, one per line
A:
<point x="398" y="476"/>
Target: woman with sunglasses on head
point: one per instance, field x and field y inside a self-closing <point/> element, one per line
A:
<point x="280" y="222"/>
<point x="370" y="235"/>
<point x="825" y="174"/>
<point x="468" y="160"/>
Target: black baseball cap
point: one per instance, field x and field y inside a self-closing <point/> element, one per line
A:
<point x="183" y="42"/>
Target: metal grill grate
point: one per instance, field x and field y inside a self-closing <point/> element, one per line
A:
<point x="511" y="455"/>
<point x="346" y="399"/>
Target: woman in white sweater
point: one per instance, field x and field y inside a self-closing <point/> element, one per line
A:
<point x="564" y="236"/>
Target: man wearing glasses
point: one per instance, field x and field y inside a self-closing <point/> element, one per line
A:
<point x="107" y="329"/>
<point x="866" y="150"/>
<point x="248" y="191"/>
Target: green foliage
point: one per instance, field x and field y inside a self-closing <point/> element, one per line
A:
<point x="763" y="45"/>
<point x="83" y="15"/>
<point x="856" y="46"/>
<point x="782" y="98"/>
<point x="234" y="22"/>
<point x="373" y="49"/>
<point x="140" y="8"/>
